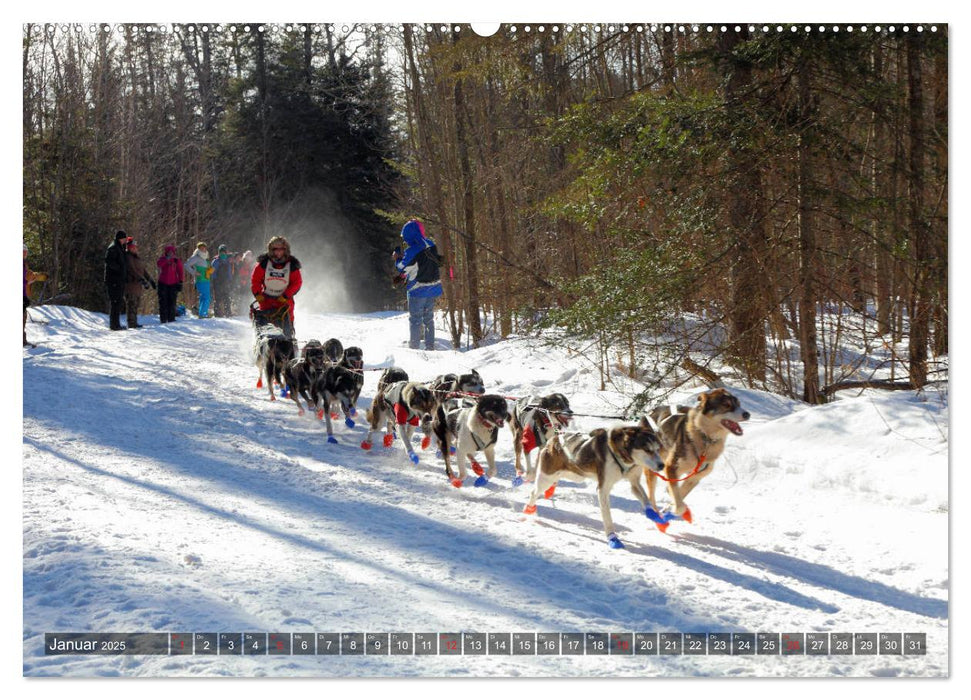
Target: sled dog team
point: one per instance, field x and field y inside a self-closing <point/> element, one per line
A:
<point x="678" y="445"/>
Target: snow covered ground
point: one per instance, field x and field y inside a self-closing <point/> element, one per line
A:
<point x="162" y="492"/>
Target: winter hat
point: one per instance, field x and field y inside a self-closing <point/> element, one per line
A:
<point x="170" y="249"/>
<point x="120" y="235"/>
<point x="222" y="249"/>
<point x="200" y="244"/>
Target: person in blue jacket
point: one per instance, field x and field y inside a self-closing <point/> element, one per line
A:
<point x="419" y="266"/>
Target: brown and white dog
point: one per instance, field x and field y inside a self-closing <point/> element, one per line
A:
<point x="401" y="405"/>
<point x="534" y="420"/>
<point x="607" y="455"/>
<point x="691" y="440"/>
<point x="472" y="425"/>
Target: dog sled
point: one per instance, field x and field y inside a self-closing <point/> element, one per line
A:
<point x="278" y="317"/>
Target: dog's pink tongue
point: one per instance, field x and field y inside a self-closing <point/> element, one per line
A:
<point x="733" y="426"/>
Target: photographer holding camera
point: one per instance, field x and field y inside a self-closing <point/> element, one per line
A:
<point x="419" y="265"/>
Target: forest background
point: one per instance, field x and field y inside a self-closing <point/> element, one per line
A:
<point x="656" y="194"/>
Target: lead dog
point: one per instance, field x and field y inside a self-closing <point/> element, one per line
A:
<point x="691" y="440"/>
<point x="472" y="425"/>
<point x="273" y="350"/>
<point x="400" y="406"/>
<point x="533" y="422"/>
<point x="605" y="455"/>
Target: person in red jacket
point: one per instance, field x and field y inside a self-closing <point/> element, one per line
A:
<point x="170" y="277"/>
<point x="276" y="277"/>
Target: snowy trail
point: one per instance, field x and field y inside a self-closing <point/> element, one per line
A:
<point x="164" y="492"/>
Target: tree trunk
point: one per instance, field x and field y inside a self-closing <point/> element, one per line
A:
<point x="430" y="176"/>
<point x="807" y="239"/>
<point x="921" y="292"/>
<point x="746" y="221"/>
<point x="468" y="207"/>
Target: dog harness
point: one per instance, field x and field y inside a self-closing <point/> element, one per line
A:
<point x="528" y="417"/>
<point x="493" y="435"/>
<point x="459" y="414"/>
<point x="699" y="467"/>
<point x="276" y="280"/>
<point x="402" y="412"/>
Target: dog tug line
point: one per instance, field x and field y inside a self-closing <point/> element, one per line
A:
<point x="678" y="444"/>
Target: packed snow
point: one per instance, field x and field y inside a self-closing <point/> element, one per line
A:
<point x="164" y="492"/>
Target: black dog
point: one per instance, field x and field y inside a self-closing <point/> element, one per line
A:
<point x="333" y="350"/>
<point x="301" y="373"/>
<point x="336" y="387"/>
<point x="273" y="351"/>
<point x="353" y="360"/>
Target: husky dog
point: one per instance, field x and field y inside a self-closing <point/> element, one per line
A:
<point x="273" y="350"/>
<point x="390" y="376"/>
<point x="402" y="404"/>
<point x="353" y="360"/>
<point x="336" y="387"/>
<point x="472" y="425"/>
<point x="333" y="350"/>
<point x="312" y="346"/>
<point x="534" y="421"/>
<point x="469" y="383"/>
<point x="605" y="455"/>
<point x="691" y="440"/>
<point x="300" y="373"/>
<point x="447" y="386"/>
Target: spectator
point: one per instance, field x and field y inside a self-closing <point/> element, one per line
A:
<point x="198" y="265"/>
<point x="138" y="281"/>
<point x="223" y="274"/>
<point x="116" y="277"/>
<point x="276" y="279"/>
<point x="170" y="277"/>
<point x="419" y="265"/>
<point x="244" y="272"/>
<point x="29" y="278"/>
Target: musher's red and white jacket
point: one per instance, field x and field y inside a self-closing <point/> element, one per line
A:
<point x="276" y="282"/>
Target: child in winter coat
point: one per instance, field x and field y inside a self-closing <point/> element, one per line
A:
<point x="199" y="266"/>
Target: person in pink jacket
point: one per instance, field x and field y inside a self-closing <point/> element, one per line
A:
<point x="170" y="278"/>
